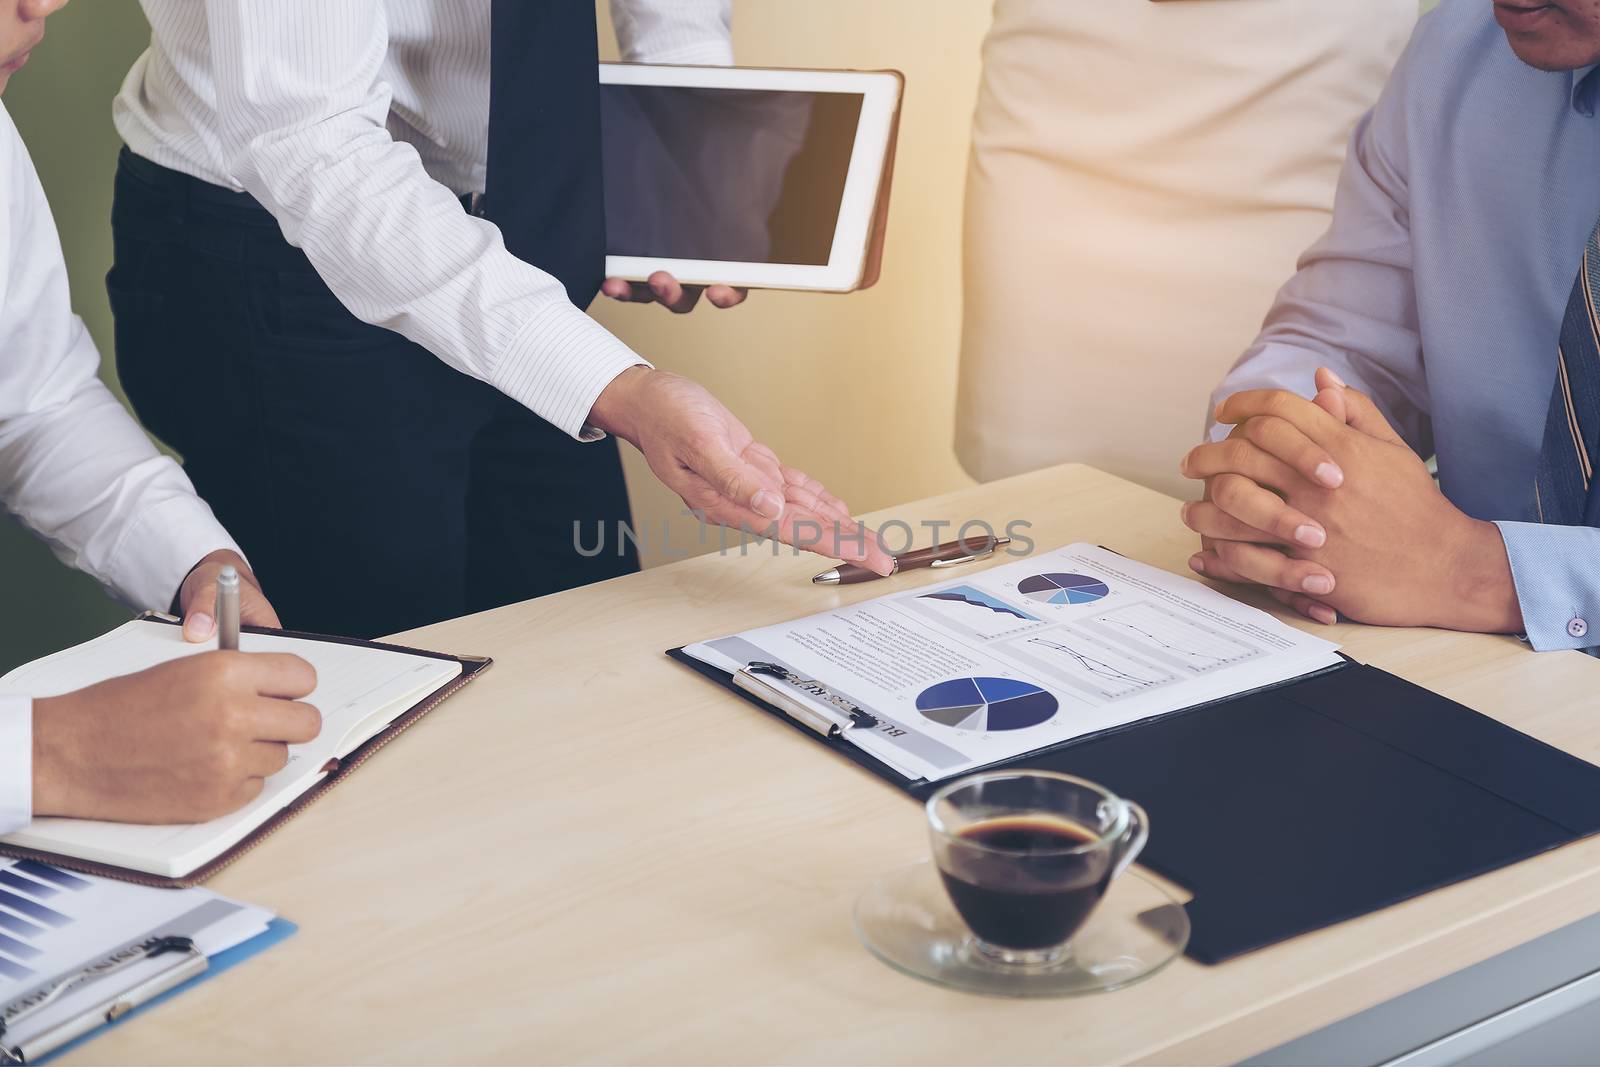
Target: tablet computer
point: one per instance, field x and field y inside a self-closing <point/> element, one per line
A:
<point x="765" y="178"/>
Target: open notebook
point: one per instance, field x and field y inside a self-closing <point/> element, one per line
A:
<point x="363" y="690"/>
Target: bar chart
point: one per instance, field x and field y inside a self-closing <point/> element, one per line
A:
<point x="35" y="898"/>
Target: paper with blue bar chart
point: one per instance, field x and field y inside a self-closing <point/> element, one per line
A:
<point x="54" y="923"/>
<point x="1023" y="656"/>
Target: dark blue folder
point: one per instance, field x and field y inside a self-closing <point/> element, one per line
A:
<point x="1287" y="809"/>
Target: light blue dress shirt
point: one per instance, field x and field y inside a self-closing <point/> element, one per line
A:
<point x="1465" y="202"/>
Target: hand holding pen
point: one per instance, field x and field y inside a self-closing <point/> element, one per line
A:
<point x="950" y="554"/>
<point x="197" y="597"/>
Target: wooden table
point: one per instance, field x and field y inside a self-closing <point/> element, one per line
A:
<point x="593" y="855"/>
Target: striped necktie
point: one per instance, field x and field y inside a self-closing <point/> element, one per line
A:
<point x="1564" y="492"/>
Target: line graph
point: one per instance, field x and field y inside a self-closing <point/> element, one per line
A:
<point x="965" y="594"/>
<point x="1168" y="637"/>
<point x="1094" y="667"/>
<point x="969" y="610"/>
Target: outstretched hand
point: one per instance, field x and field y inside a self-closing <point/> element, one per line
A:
<point x="702" y="452"/>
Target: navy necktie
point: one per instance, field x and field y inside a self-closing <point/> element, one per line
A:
<point x="543" y="182"/>
<point x="1565" y="492"/>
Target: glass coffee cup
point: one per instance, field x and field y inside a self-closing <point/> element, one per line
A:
<point x="1026" y="856"/>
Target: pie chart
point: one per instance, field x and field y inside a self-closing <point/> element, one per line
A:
<point x="986" y="704"/>
<point x="1062" y="588"/>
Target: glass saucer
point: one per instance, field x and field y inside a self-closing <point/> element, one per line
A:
<point x="906" y="920"/>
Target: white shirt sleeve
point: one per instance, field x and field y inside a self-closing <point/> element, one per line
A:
<point x="301" y="114"/>
<point x="16" y="763"/>
<point x="693" y="32"/>
<point x="74" y="466"/>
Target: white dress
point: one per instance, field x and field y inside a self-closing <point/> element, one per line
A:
<point x="1143" y="177"/>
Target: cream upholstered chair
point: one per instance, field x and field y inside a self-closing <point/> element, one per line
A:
<point x="1143" y="176"/>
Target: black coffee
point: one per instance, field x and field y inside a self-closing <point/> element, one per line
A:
<point x="1030" y="896"/>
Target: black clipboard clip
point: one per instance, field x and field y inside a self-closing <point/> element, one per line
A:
<point x="838" y="715"/>
<point x="187" y="962"/>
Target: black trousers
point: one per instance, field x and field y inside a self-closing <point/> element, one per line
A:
<point x="373" y="488"/>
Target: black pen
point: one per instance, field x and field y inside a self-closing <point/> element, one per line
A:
<point x="950" y="554"/>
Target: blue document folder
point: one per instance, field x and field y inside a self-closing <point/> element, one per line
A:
<point x="276" y="931"/>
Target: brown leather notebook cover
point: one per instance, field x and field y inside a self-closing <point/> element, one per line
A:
<point x="471" y="667"/>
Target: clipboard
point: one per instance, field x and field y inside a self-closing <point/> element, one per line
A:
<point x="1287" y="809"/>
<point x="185" y="975"/>
<point x="471" y="667"/>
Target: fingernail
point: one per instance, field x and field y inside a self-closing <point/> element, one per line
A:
<point x="1197" y="563"/>
<point x="198" y="625"/>
<point x="1183" y="512"/>
<point x="1330" y="475"/>
<point x="767" y="504"/>
<point x="1318" y="585"/>
<point x="1336" y="380"/>
<point x="1323" y="614"/>
<point x="1183" y="464"/>
<point x="1310" y="536"/>
<point x="1216" y="412"/>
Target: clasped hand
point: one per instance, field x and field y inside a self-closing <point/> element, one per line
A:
<point x="1324" y="504"/>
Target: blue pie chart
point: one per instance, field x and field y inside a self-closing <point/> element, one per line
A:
<point x="1062" y="588"/>
<point x="986" y="704"/>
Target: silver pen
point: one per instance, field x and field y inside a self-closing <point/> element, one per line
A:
<point x="228" y="609"/>
<point x="187" y="962"/>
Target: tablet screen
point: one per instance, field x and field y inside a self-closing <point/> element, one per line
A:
<point x="743" y="175"/>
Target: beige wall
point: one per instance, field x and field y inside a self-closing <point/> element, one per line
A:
<point x="858" y="390"/>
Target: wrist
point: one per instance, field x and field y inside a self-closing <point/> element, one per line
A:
<point x="615" y="408"/>
<point x="53" y="755"/>
<point x="1481" y="593"/>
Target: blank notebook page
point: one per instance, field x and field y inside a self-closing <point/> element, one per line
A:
<point x="359" y="691"/>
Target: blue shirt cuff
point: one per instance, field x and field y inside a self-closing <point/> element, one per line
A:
<point x="1556" y="570"/>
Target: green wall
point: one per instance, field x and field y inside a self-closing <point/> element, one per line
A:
<point x="61" y="101"/>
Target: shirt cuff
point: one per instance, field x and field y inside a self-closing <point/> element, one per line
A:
<point x="1557" y="581"/>
<point x="160" y="548"/>
<point x="16" y="763"/>
<point x="558" y="364"/>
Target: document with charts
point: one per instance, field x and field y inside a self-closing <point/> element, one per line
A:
<point x="1005" y="661"/>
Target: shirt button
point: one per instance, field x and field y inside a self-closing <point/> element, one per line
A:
<point x="1577" y="627"/>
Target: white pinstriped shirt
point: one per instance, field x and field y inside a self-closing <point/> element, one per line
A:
<point x="358" y="123"/>
<point x="74" y="467"/>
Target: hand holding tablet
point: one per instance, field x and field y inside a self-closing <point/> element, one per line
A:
<point x="743" y="177"/>
<point x="662" y="288"/>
